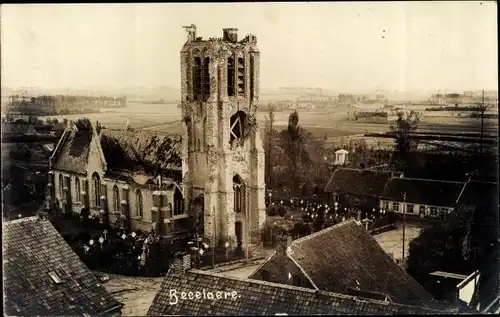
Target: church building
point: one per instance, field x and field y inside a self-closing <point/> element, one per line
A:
<point x="211" y="177"/>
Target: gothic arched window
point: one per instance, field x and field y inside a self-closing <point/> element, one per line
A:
<point x="197" y="78"/>
<point x="205" y="79"/>
<point x="241" y="77"/>
<point x="116" y="198"/>
<point x="96" y="183"/>
<point x="237" y="129"/>
<point x="239" y="194"/>
<point x="138" y="202"/>
<point x="78" y="190"/>
<point x="61" y="186"/>
<point x="178" y="202"/>
<point x="230" y="76"/>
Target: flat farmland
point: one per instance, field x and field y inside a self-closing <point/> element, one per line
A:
<point x="332" y="122"/>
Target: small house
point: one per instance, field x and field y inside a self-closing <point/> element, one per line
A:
<point x="341" y="157"/>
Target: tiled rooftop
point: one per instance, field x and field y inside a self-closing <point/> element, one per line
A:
<point x="345" y="257"/>
<point x="262" y="298"/>
<point x="423" y="191"/>
<point x="357" y="181"/>
<point x="44" y="277"/>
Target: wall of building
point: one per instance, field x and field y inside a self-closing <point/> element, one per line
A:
<point x="281" y="269"/>
<point x="389" y="205"/>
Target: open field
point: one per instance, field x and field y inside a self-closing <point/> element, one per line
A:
<point x="332" y="122"/>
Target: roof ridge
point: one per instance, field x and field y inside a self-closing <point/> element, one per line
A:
<point x="430" y="180"/>
<point x="23" y="219"/>
<point x="312" y="235"/>
<point x="303" y="289"/>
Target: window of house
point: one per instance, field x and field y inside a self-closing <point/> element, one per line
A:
<point x="422" y="209"/>
<point x="230" y="76"/>
<point x="385" y="205"/>
<point x="443" y="211"/>
<point x="78" y="190"/>
<point x="178" y="202"/>
<point x="336" y="198"/>
<point x="265" y="275"/>
<point x="53" y="275"/>
<point x="395" y="207"/>
<point x="96" y="182"/>
<point x="434" y="211"/>
<point x="356" y="201"/>
<point x="116" y="198"/>
<point x="138" y="203"/>
<point x="409" y="208"/>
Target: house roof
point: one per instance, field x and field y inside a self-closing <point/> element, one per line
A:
<point x="33" y="249"/>
<point x="72" y="152"/>
<point x="480" y="194"/>
<point x="423" y="191"/>
<point x="357" y="181"/>
<point x="143" y="150"/>
<point x="346" y="256"/>
<point x="263" y="298"/>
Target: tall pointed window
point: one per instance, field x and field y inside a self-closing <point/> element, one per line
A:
<point x="78" y="190"/>
<point x="197" y="78"/>
<point x="252" y="74"/>
<point x="230" y="76"/>
<point x="96" y="182"/>
<point x="205" y="79"/>
<point x="178" y="202"/>
<point x="239" y="194"/>
<point x="241" y="77"/>
<point x="61" y="186"/>
<point x="138" y="203"/>
<point x="237" y="127"/>
<point x="116" y="198"/>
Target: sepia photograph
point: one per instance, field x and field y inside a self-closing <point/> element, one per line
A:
<point x="250" y="159"/>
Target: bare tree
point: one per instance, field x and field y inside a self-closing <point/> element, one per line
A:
<point x="482" y="110"/>
<point x="269" y="143"/>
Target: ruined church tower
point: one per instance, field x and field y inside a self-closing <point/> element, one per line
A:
<point x="223" y="157"/>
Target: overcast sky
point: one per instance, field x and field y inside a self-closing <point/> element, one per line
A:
<point x="340" y="46"/>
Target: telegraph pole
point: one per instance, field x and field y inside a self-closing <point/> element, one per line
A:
<point x="404" y="223"/>
<point x="483" y="110"/>
<point x="247" y="224"/>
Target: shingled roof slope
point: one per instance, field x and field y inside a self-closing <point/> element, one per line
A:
<point x="32" y="249"/>
<point x="73" y="154"/>
<point x="346" y="256"/>
<point x="423" y="191"/>
<point x="479" y="193"/>
<point x="147" y="151"/>
<point x="357" y="181"/>
<point x="263" y="298"/>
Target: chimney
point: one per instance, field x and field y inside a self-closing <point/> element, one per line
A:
<point x="230" y="35"/>
<point x="284" y="243"/>
<point x="181" y="263"/>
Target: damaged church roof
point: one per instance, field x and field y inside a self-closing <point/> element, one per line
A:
<point x="131" y="149"/>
